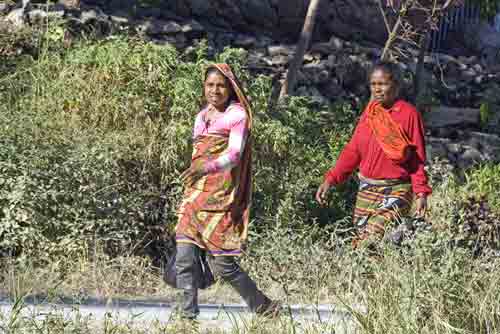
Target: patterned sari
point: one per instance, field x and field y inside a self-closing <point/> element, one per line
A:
<point x="214" y="214"/>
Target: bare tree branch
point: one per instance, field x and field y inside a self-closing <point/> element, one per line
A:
<point x="413" y="19"/>
<point x="384" y="16"/>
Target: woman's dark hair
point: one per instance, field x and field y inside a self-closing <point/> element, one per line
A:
<point x="389" y="68"/>
<point x="232" y="93"/>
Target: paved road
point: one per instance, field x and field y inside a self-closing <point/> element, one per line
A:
<point x="211" y="315"/>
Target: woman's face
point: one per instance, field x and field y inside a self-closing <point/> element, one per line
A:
<point x="382" y="88"/>
<point x="217" y="90"/>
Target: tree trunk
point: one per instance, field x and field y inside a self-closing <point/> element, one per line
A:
<point x="305" y="38"/>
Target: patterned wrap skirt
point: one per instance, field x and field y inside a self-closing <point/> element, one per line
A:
<point x="380" y="203"/>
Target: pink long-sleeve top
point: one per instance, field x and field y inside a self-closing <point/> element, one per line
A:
<point x="365" y="152"/>
<point x="232" y="123"/>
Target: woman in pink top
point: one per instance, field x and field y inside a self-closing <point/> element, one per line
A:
<point x="214" y="214"/>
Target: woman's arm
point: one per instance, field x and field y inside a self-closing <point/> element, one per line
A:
<point x="417" y="173"/>
<point x="348" y="160"/>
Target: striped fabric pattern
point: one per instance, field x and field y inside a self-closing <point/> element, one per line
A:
<point x="380" y="203"/>
<point x="214" y="213"/>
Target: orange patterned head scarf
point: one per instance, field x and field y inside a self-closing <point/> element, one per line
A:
<point x="389" y="134"/>
<point x="226" y="71"/>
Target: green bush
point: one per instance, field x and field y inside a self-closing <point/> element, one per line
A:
<point x="95" y="136"/>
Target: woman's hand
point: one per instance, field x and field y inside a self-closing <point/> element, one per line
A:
<point x="322" y="192"/>
<point x="193" y="174"/>
<point x="421" y="208"/>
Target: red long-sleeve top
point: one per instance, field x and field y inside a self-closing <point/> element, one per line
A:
<point x="365" y="152"/>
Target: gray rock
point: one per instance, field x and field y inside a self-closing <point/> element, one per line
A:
<point x="91" y="14"/>
<point x="275" y="50"/>
<point x="316" y="96"/>
<point x="336" y="42"/>
<point x="372" y="52"/>
<point x="302" y="79"/>
<point x="168" y="27"/>
<point x="445" y="131"/>
<point x="493" y="155"/>
<point x="323" y="48"/>
<point x="316" y="66"/>
<point x="120" y="19"/>
<point x="481" y="36"/>
<point x="179" y="7"/>
<point x="463" y="163"/>
<point x="201" y="7"/>
<point x="331" y="61"/>
<point x="192" y="27"/>
<point x="474" y="143"/>
<point x="452" y="157"/>
<point x="469" y="60"/>
<point x="485" y="139"/>
<point x="436" y="150"/>
<point x="178" y="41"/>
<point x="472" y="154"/>
<point x="258" y="52"/>
<point x="159" y="27"/>
<point x="323" y="77"/>
<point x="317" y="72"/>
<point x="309" y="57"/>
<point x="245" y="41"/>
<point x="263" y="42"/>
<point x="443" y="116"/>
<point x="351" y="75"/>
<point x="280" y="18"/>
<point x="469" y="73"/>
<point x="302" y="91"/>
<point x="279" y="60"/>
<point x="455" y="148"/>
<point x="332" y="90"/>
<point x="224" y="39"/>
<point x="290" y="9"/>
<point x="259" y="12"/>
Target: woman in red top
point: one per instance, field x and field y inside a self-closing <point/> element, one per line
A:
<point x="388" y="148"/>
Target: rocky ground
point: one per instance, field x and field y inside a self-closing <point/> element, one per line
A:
<point x="460" y="99"/>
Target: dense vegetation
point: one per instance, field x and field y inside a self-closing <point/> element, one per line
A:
<point x="94" y="135"/>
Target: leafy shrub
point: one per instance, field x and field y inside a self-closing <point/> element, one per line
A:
<point x="94" y="138"/>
